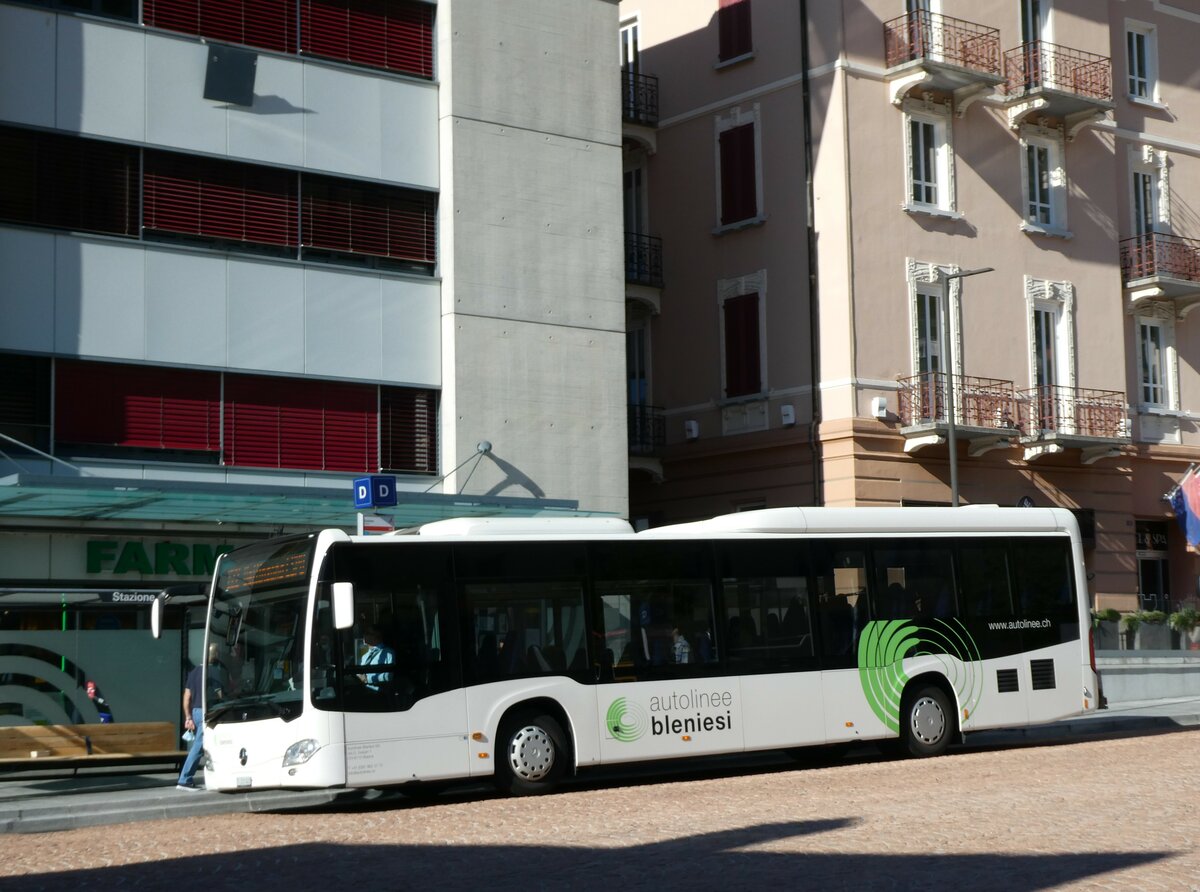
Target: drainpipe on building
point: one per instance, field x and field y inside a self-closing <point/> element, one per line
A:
<point x="813" y="291"/>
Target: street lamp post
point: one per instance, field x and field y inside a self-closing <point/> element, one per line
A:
<point x="951" y="432"/>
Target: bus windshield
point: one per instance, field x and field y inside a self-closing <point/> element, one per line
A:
<point x="256" y="628"/>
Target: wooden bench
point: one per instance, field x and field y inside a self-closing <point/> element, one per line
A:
<point x="26" y="747"/>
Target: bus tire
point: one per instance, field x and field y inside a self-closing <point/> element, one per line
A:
<point x="534" y="754"/>
<point x="927" y="721"/>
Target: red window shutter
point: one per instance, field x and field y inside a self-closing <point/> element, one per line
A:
<point x="733" y="29"/>
<point x="391" y="34"/>
<point x="267" y="24"/>
<point x="136" y="406"/>
<point x="382" y="221"/>
<point x="739" y="187"/>
<point x="742" y="357"/>
<point x="291" y="423"/>
<point x="219" y="199"/>
<point x="66" y="182"/>
<point x="408" y="430"/>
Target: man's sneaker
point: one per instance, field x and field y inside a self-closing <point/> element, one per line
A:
<point x="191" y="788"/>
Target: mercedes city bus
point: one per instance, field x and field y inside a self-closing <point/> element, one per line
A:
<point x="527" y="649"/>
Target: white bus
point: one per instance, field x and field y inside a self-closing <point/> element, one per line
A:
<point x="525" y="650"/>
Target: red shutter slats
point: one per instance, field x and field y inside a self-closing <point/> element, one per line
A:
<point x="742" y="358"/>
<point x="219" y="199"/>
<point x="733" y="29"/>
<point x="379" y="220"/>
<point x="137" y="406"/>
<point x="390" y="34"/>
<point x="267" y="24"/>
<point x="739" y="200"/>
<point x="290" y="423"/>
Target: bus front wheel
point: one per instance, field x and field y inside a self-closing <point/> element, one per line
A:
<point x="534" y="757"/>
<point x="927" y="722"/>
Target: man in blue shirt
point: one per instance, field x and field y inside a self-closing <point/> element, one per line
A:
<point x="377" y="654"/>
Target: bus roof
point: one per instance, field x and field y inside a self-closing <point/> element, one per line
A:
<point x="970" y="518"/>
<point x="464" y="527"/>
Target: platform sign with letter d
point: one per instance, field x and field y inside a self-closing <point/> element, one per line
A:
<point x="378" y="491"/>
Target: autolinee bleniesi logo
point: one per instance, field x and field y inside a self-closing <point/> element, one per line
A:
<point x="884" y="645"/>
<point x="689" y="712"/>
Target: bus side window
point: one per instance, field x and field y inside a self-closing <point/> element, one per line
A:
<point x="843" y="605"/>
<point x="983" y="572"/>
<point x="914" y="579"/>
<point x="1043" y="575"/>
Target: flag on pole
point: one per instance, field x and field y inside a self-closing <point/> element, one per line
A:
<point x="1185" y="502"/>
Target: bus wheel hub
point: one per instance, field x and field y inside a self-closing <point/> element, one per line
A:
<point x="532" y="753"/>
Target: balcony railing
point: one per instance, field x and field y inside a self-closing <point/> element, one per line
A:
<point x="1156" y="254"/>
<point x="986" y="403"/>
<point x="939" y="38"/>
<point x="639" y="98"/>
<point x="647" y="430"/>
<point x="643" y="260"/>
<point x="1073" y="411"/>
<point x="1039" y="65"/>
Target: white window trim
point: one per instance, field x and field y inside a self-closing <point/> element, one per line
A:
<point x="1161" y="315"/>
<point x="751" y="283"/>
<point x="1150" y="34"/>
<point x="927" y="111"/>
<point x="1146" y="159"/>
<point x="926" y="278"/>
<point x="736" y="118"/>
<point x="1054" y="141"/>
<point x="1040" y="293"/>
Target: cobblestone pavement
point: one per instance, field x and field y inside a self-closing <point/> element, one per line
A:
<point x="1115" y="814"/>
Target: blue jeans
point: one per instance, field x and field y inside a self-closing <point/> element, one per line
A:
<point x="187" y="777"/>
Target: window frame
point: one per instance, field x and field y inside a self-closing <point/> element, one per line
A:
<point x="726" y="176"/>
<point x="735" y="32"/>
<point x="1053" y="144"/>
<point x="731" y="290"/>
<point x="924" y="114"/>
<point x="1162" y="320"/>
<point x="1141" y="63"/>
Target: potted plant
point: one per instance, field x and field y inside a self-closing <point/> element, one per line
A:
<point x="1129" y="627"/>
<point x="1107" y="625"/>
<point x="1152" y="632"/>
<point x="1184" y="622"/>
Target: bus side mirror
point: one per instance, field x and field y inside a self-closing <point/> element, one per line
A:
<point x="343" y="605"/>
<point x="156" y="615"/>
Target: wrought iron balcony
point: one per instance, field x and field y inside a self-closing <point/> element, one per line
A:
<point x="985" y="410"/>
<point x="643" y="260"/>
<point x="1157" y="255"/>
<point x="1053" y="417"/>
<point x="941" y="53"/>
<point x="1058" y="81"/>
<point x="639" y="99"/>
<point x="647" y="430"/>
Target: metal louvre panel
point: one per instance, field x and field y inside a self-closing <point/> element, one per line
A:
<point x="408" y="430"/>
<point x="1041" y="674"/>
<point x="68" y="182"/>
<point x="137" y="406"/>
<point x="394" y="35"/>
<point x="268" y="24"/>
<point x="219" y="199"/>
<point x="1007" y="681"/>
<point x="381" y="221"/>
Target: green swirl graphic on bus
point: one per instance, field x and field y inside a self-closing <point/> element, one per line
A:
<point x="626" y="721"/>
<point x="885" y="644"/>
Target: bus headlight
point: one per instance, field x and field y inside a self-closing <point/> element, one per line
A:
<point x="300" y="752"/>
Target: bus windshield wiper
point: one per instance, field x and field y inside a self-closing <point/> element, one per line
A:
<point x="258" y="701"/>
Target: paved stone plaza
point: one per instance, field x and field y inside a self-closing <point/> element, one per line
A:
<point x="1105" y="814"/>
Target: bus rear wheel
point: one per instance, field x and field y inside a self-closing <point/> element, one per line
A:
<point x="927" y="722"/>
<point x="534" y="755"/>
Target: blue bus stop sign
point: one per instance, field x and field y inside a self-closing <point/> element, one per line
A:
<point x="375" y="492"/>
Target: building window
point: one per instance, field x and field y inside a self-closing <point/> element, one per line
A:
<point x="342" y="217"/>
<point x="65" y="182"/>
<point x="395" y="35"/>
<point x="140" y="412"/>
<point x="115" y="9"/>
<point x="1051" y="329"/>
<point x="741" y="340"/>
<point x="1157" y="359"/>
<point x="929" y="158"/>
<point x="1141" y="61"/>
<point x="1150" y="192"/>
<point x="739" y="192"/>
<point x="733" y="30"/>
<point x="1044" y="180"/>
